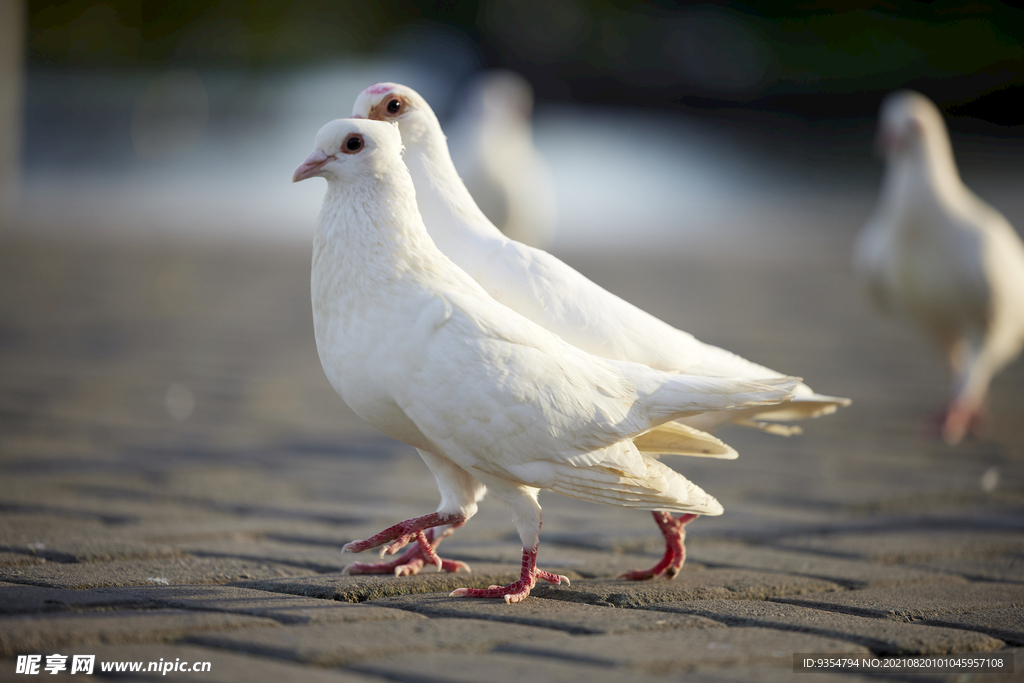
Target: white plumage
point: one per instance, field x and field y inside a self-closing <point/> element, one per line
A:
<point x="419" y="350"/>
<point x="552" y="294"/>
<point x="935" y="252"/>
<point x="547" y="291"/>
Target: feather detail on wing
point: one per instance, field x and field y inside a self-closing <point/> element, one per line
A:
<point x="658" y="488"/>
<point x="674" y="438"/>
<point x="803" y="407"/>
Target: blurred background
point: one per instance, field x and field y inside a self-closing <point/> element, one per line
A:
<point x="142" y="117"/>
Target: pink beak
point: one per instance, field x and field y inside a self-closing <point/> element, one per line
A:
<point x="311" y="166"/>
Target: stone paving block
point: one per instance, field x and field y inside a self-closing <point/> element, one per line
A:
<point x="249" y="528"/>
<point x="912" y="546"/>
<point x="498" y="667"/>
<point x="23" y="599"/>
<point x="610" y="529"/>
<point x="560" y="559"/>
<point x="1009" y="568"/>
<point x="737" y="584"/>
<point x="572" y="617"/>
<point x="913" y="603"/>
<point x="847" y="572"/>
<point x="9" y="558"/>
<point x="225" y="666"/>
<point x="1007" y="624"/>
<point x="281" y="607"/>
<point x="346" y="588"/>
<point x="62" y="538"/>
<point x="322" y="558"/>
<point x="342" y="643"/>
<point x="882" y="636"/>
<point x="181" y="570"/>
<point x="673" y="651"/>
<point x="289" y="609"/>
<point x="34" y="634"/>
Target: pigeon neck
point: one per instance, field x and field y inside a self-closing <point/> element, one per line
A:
<point x="927" y="172"/>
<point x="449" y="211"/>
<point x="370" y="232"/>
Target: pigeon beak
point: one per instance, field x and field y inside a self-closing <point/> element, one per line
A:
<point x="311" y="166"/>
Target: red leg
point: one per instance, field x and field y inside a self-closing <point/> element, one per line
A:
<point x="981" y="422"/>
<point x="674" y="531"/>
<point x="416" y="557"/>
<point x="514" y="592"/>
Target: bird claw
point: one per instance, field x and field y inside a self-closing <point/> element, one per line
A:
<point x="674" y="531"/>
<point x="409" y="563"/>
<point x="514" y="592"/>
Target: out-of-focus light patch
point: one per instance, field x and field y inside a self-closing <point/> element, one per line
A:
<point x="170" y="115"/>
<point x="990" y="479"/>
<point x="625" y="177"/>
<point x="234" y="184"/>
<point x="180" y="401"/>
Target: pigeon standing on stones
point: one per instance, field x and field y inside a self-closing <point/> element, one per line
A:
<point x="420" y="351"/>
<point x="935" y="252"/>
<point x="492" y="145"/>
<point x="542" y="288"/>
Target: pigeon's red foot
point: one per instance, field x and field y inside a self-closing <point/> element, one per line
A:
<point x="514" y="592"/>
<point x="412" y="560"/>
<point x="674" y="531"/>
<point x="959" y="420"/>
<point x="398" y="536"/>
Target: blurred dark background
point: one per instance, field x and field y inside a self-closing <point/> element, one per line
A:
<point x="165" y="115"/>
<point x="816" y="59"/>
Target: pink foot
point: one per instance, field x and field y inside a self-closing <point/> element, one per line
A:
<point x="398" y="536"/>
<point x="411" y="561"/>
<point x="674" y="531"/>
<point x="514" y="592"/>
<point x="959" y="419"/>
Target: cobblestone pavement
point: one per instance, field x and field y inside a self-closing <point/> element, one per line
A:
<point x="177" y="477"/>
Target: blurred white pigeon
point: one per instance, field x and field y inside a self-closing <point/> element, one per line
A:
<point x="937" y="253"/>
<point x="559" y="298"/>
<point x="492" y="146"/>
<point x="420" y="351"/>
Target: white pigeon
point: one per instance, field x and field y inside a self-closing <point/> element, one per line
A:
<point x="938" y="254"/>
<point x="492" y="145"/>
<point x="420" y="351"/>
<point x="552" y="294"/>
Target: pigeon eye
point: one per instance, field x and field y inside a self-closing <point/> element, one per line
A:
<point x="352" y="144"/>
<point x="394" y="106"/>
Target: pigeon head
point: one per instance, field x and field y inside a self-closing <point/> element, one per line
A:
<point x="349" y="148"/>
<point x="910" y="126"/>
<point x="502" y="94"/>
<point x="399" y="104"/>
